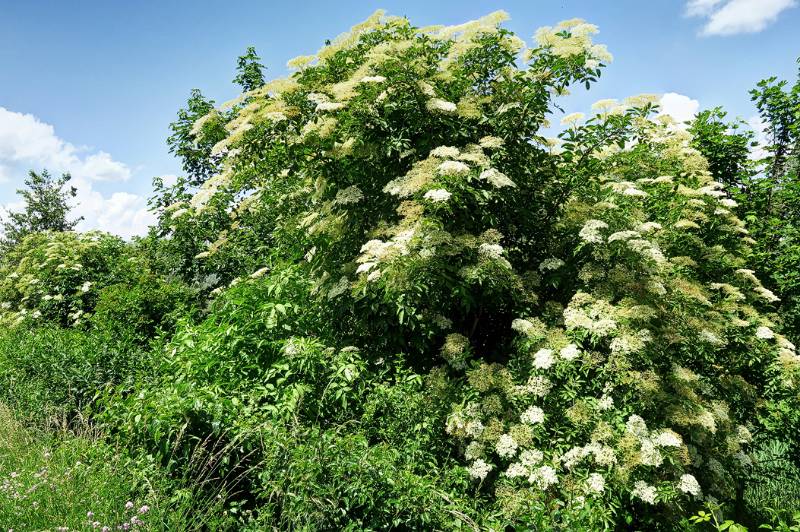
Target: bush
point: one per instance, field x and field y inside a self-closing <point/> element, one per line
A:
<point x="590" y="293"/>
<point x="51" y="374"/>
<point x="55" y="277"/>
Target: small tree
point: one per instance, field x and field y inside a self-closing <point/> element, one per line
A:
<point x="46" y="208"/>
<point x="187" y="143"/>
<point x="250" y="72"/>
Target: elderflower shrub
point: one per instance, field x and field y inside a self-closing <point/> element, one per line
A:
<point x="55" y="277"/>
<point x="601" y="332"/>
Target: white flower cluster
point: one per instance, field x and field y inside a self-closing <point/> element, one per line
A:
<point x="506" y="446"/>
<point x="591" y="231"/>
<point x="644" y="491"/>
<point x="496" y="178"/>
<point x="550" y="264"/>
<point x="438" y="105"/>
<point x="532" y="415"/>
<point x="479" y="469"/>
<point x="437" y="195"/>
<point x="543" y="359"/>
<point x="688" y="484"/>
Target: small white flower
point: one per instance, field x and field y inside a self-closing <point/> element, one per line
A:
<point x="329" y="106"/>
<point x="765" y="333"/>
<point x="516" y="470"/>
<point x="479" y="469"/>
<point x="506" y="446"/>
<point x="491" y="142"/>
<point x="606" y="402"/>
<point x="644" y="491"/>
<point x="531" y="457"/>
<point x="373" y="79"/>
<point x="688" y="484"/>
<point x="445" y="152"/>
<point x="668" y="438"/>
<point x="569" y="352"/>
<point x="634" y="192"/>
<point x="543" y="359"/>
<point x="496" y="178"/>
<point x="453" y="168"/>
<point x="439" y="105"/>
<point x="543" y="477"/>
<point x="636" y="426"/>
<point x="572" y="119"/>
<point x="595" y="483"/>
<point x="550" y="264"/>
<point x="437" y="195"/>
<point x="532" y="415"/>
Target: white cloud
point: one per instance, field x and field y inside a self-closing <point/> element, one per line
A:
<point x="729" y="17"/>
<point x="696" y="8"/>
<point x="680" y="107"/>
<point x="26" y="142"/>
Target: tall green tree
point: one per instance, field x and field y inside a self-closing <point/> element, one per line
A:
<point x="192" y="139"/>
<point x="774" y="204"/>
<point x="726" y="145"/>
<point x="46" y="208"/>
<point x="250" y="71"/>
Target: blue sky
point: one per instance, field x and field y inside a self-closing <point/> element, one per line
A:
<point x="91" y="86"/>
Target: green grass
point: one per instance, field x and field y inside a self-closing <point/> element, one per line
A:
<point x="51" y="480"/>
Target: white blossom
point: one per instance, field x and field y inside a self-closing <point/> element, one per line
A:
<point x="572" y="119"/>
<point x="453" y="168"/>
<point x="550" y="264"/>
<point x="496" y="178"/>
<point x="591" y="231"/>
<point x="445" y="152"/>
<point x="543" y="477"/>
<point x="532" y="415"/>
<point x="595" y="483"/>
<point x="479" y="469"/>
<point x="506" y="446"/>
<point x="644" y="491"/>
<point x="437" y="195"/>
<point x="442" y="106"/>
<point x="543" y="359"/>
<point x="569" y="352"/>
<point x="688" y="484"/>
<point x="765" y="333"/>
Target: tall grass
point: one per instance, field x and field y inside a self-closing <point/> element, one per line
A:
<point x="59" y="480"/>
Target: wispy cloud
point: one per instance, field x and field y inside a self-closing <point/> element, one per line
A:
<point x="731" y="17"/>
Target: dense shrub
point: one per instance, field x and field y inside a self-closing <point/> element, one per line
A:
<point x="422" y="313"/>
<point x="142" y="309"/>
<point x="590" y="293"/>
<point x="55" y="277"/>
<point x="52" y="374"/>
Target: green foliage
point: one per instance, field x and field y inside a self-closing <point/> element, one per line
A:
<point x="772" y="203"/>
<point x="142" y="309"/>
<point x="726" y="147"/>
<point x="46" y="209"/>
<point x="53" y="373"/>
<point x="191" y="141"/>
<point x="381" y="298"/>
<point x="249" y="71"/>
<point x="55" y="277"/>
